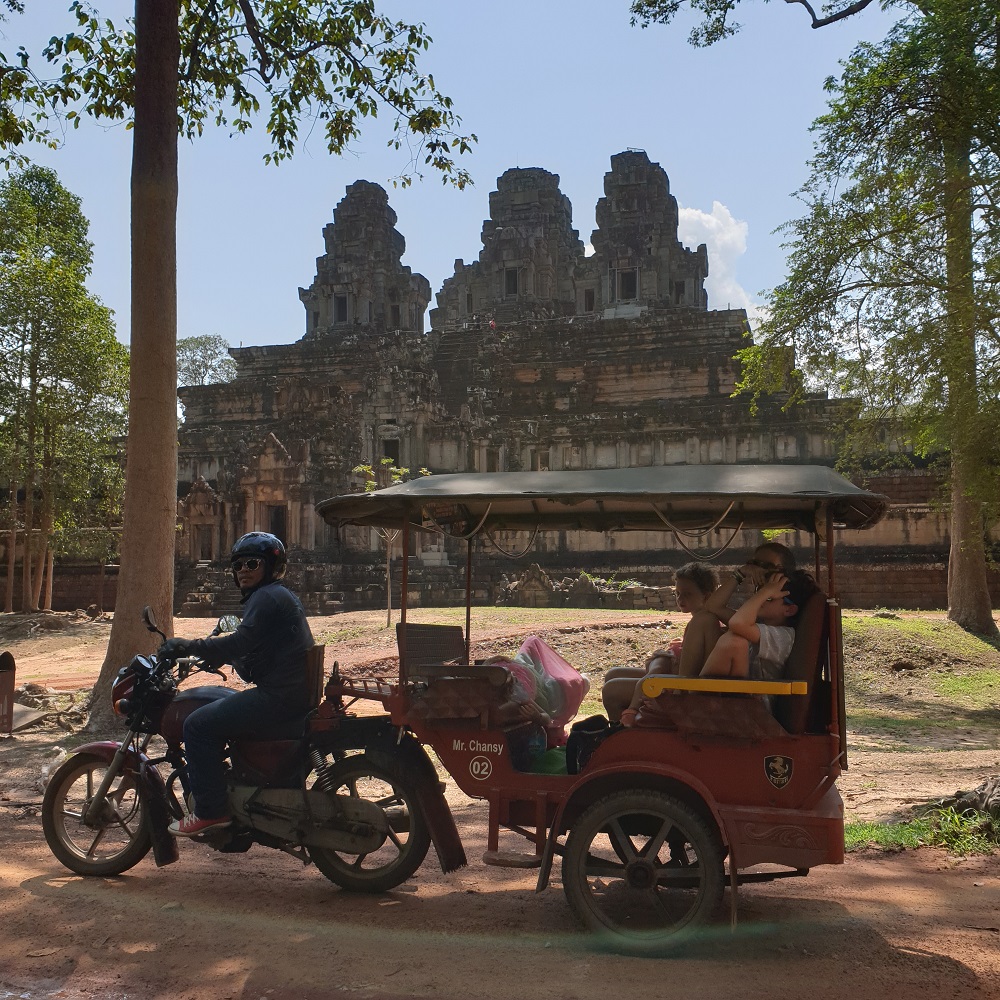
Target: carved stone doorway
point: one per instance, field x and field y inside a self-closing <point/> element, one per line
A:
<point x="277" y="520"/>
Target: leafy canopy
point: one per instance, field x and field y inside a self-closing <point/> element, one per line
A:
<point x="63" y="375"/>
<point x="869" y="303"/>
<point x="308" y="64"/>
<point x="203" y="360"/>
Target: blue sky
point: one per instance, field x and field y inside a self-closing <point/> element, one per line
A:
<point x="559" y="84"/>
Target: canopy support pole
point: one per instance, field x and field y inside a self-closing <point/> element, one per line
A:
<point x="836" y="642"/>
<point x="468" y="600"/>
<point x="404" y="589"/>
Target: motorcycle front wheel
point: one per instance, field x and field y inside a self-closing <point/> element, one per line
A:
<point x="405" y="847"/>
<point x="117" y="840"/>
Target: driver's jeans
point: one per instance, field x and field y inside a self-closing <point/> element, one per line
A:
<point x="254" y="713"/>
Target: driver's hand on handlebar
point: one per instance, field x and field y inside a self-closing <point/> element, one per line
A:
<point x="173" y="649"/>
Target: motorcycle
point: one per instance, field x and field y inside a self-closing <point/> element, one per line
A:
<point x="353" y="795"/>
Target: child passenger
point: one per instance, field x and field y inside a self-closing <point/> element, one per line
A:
<point x="761" y="631"/>
<point x="694" y="583"/>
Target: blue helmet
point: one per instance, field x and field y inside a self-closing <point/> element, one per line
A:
<point x="264" y="546"/>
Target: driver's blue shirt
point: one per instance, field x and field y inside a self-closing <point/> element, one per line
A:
<point x="269" y="647"/>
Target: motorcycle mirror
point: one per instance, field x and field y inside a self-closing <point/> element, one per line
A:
<point x="227" y="623"/>
<point x="149" y="619"/>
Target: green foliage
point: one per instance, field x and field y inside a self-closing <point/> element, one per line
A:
<point x="961" y="833"/>
<point x="304" y="64"/>
<point x="871" y="306"/>
<point x="980" y="690"/>
<point x="888" y="836"/>
<point x="203" y="360"/>
<point x="63" y="375"/>
<point x="893" y="292"/>
<point x="385" y="473"/>
<point x="610" y="584"/>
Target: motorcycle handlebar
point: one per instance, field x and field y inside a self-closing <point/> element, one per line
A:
<point x="187" y="665"/>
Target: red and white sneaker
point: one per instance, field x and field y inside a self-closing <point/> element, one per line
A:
<point x="191" y="826"/>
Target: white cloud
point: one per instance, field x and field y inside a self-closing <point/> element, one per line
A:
<point x="726" y="239"/>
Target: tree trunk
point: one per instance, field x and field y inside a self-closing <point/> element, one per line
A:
<point x="15" y="476"/>
<point x="50" y="566"/>
<point x="28" y="554"/>
<point x="147" y="549"/>
<point x="968" y="591"/>
<point x="11" y="554"/>
<point x="101" y="575"/>
<point x="48" y="504"/>
<point x="28" y="602"/>
<point x="44" y="536"/>
<point x="11" y="546"/>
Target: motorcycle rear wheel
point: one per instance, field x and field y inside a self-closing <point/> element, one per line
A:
<point x="404" y="849"/>
<point x="117" y="841"/>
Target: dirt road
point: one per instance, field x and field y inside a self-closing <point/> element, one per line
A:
<point x="263" y="927"/>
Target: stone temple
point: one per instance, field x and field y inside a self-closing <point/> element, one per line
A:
<point x="537" y="357"/>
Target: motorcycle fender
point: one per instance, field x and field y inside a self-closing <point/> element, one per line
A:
<point x="407" y="758"/>
<point x="152" y="791"/>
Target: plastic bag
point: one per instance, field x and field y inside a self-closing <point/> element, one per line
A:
<point x="559" y="687"/>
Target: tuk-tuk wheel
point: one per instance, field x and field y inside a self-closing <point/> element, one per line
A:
<point x="642" y="866"/>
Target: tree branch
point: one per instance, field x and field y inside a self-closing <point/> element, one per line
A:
<point x="253" y="29"/>
<point x="194" y="61"/>
<point x="840" y="15"/>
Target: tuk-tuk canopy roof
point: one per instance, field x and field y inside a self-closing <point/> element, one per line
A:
<point x="689" y="498"/>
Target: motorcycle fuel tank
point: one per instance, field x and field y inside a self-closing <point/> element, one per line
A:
<point x="184" y="703"/>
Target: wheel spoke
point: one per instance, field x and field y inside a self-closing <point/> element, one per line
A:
<point x="123" y="823"/>
<point x="97" y="839"/>
<point x="597" y="868"/>
<point x="679" y="878"/>
<point x="653" y="845"/>
<point x="621" y="842"/>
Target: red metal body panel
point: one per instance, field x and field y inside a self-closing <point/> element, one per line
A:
<point x="792" y="816"/>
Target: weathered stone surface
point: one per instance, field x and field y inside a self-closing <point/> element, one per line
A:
<point x="539" y="357"/>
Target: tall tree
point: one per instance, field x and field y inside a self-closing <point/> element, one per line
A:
<point x="892" y="286"/>
<point x="181" y="64"/>
<point x="61" y="369"/>
<point x="205" y="359"/>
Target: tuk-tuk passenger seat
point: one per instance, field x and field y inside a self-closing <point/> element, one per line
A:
<point x="806" y="662"/>
<point x="708" y="710"/>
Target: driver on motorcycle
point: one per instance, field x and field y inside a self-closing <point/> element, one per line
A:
<point x="268" y="650"/>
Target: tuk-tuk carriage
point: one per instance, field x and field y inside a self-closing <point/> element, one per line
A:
<point x="722" y="780"/>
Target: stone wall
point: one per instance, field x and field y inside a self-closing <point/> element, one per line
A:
<point x="73" y="587"/>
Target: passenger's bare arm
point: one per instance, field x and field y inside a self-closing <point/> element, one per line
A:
<point x="717" y="602"/>
<point x="744" y="619"/>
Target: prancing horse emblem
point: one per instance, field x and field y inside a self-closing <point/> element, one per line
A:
<point x="778" y="770"/>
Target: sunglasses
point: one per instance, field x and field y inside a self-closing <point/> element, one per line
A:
<point x="784" y="600"/>
<point x="250" y="564"/>
<point x="760" y="564"/>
